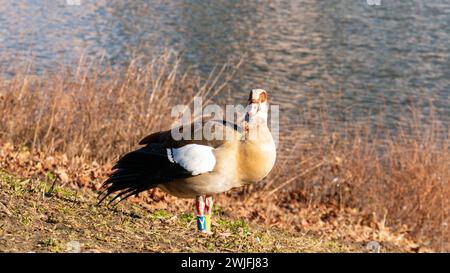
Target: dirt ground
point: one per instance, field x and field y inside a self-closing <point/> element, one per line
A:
<point x="68" y="220"/>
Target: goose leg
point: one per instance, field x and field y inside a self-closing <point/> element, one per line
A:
<point x="208" y="211"/>
<point x="203" y="209"/>
<point x="200" y="212"/>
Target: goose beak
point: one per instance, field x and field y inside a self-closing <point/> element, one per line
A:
<point x="252" y="109"/>
<point x="256" y="102"/>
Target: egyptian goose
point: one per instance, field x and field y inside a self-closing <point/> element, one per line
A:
<point x="199" y="168"/>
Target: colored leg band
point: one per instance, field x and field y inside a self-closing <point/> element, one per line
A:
<point x="204" y="223"/>
<point x="204" y="211"/>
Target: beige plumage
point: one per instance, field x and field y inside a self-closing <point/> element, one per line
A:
<point x="189" y="168"/>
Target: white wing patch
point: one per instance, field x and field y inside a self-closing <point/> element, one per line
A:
<point x="194" y="158"/>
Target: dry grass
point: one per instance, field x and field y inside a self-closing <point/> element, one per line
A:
<point x="401" y="181"/>
<point x="33" y="220"/>
<point x="97" y="113"/>
<point x="331" y="178"/>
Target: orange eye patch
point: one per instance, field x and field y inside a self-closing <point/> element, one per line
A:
<point x="262" y="97"/>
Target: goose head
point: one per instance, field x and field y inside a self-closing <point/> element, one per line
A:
<point x="257" y="107"/>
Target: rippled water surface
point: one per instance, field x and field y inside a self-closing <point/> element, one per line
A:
<point x="376" y="57"/>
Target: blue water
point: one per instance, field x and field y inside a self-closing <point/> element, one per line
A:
<point x="380" y="59"/>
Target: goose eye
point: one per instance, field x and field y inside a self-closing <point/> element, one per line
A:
<point x="262" y="97"/>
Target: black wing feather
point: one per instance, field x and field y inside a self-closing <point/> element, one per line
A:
<point x="149" y="166"/>
<point x="141" y="170"/>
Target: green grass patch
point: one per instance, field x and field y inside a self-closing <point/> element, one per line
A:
<point x="161" y="214"/>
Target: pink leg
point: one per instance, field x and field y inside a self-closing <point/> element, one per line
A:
<point x="203" y="209"/>
<point x="208" y="211"/>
